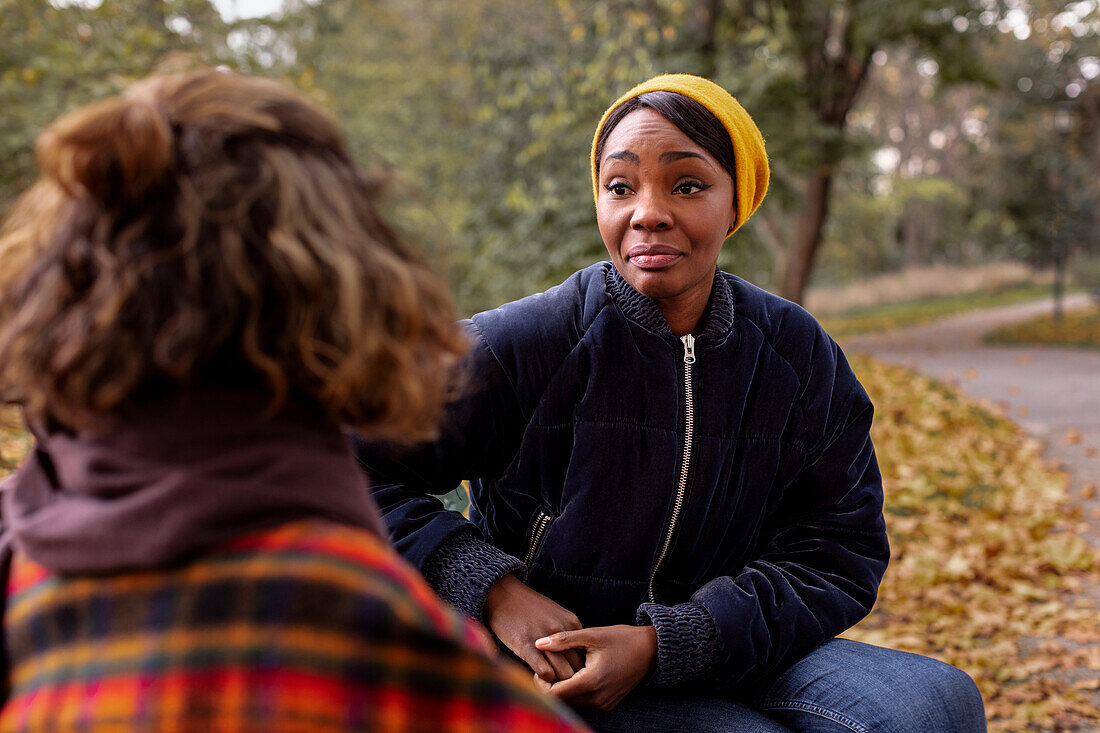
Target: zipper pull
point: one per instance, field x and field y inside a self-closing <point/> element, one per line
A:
<point x="689" y="348"/>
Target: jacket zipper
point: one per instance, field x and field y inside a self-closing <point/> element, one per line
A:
<point x="537" y="530"/>
<point x="689" y="429"/>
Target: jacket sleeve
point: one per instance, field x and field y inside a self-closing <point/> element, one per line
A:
<point x="479" y="435"/>
<point x="823" y="553"/>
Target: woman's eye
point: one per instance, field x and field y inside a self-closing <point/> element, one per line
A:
<point x="619" y="189"/>
<point x="689" y="187"/>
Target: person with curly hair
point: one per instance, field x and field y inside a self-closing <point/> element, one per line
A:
<point x="195" y="297"/>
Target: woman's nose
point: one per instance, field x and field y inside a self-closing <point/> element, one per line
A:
<point x="650" y="212"/>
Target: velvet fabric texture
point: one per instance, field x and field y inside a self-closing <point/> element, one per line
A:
<point x="750" y="158"/>
<point x="573" y="432"/>
<point x="170" y="478"/>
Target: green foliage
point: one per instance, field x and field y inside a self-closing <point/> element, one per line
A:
<point x="1032" y="179"/>
<point x="488" y="114"/>
<point x="488" y="108"/>
<point x="865" y="232"/>
<point x="482" y="112"/>
<point x="1019" y="188"/>
<point x="1086" y="273"/>
<point x="54" y="57"/>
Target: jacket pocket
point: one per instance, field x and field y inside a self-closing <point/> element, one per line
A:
<point x="536" y="535"/>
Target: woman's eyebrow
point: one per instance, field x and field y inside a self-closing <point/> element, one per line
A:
<point x="673" y="155"/>
<point x="665" y="158"/>
<point x="624" y="155"/>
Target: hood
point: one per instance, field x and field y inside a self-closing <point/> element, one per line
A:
<point x="170" y="478"/>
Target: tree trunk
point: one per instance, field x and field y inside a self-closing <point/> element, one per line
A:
<point x="918" y="223"/>
<point x="706" y="34"/>
<point x="771" y="234"/>
<point x="807" y="235"/>
<point x="156" y="14"/>
<point x="834" y="71"/>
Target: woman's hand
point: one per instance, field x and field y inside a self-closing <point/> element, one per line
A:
<point x="617" y="658"/>
<point x="519" y="615"/>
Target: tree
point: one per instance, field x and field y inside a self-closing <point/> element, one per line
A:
<point x="816" y="61"/>
<point x="1044" y="126"/>
<point x="488" y="110"/>
<point x="56" y="56"/>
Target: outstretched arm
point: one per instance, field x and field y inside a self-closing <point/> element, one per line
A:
<point x="478" y="438"/>
<point x="479" y="434"/>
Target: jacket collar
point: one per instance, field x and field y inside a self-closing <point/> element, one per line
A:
<point x="717" y="319"/>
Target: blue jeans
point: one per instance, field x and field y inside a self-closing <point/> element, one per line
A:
<point x="841" y="687"/>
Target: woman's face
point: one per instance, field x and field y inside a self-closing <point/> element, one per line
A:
<point x="665" y="207"/>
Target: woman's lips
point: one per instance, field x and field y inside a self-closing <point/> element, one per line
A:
<point x="652" y="256"/>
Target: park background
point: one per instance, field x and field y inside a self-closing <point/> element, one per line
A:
<point x="928" y="159"/>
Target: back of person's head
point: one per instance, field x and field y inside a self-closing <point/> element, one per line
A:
<point x="211" y="229"/>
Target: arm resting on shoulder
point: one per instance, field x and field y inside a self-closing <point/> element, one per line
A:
<point x="479" y="435"/>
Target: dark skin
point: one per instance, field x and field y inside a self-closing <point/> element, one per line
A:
<point x="518" y="616"/>
<point x="617" y="659"/>
<point x="665" y="207"/>
<point x="595" y="667"/>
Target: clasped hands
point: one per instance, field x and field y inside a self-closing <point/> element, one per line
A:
<point x="594" y="667"/>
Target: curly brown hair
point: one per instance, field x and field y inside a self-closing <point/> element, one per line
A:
<point x="211" y="228"/>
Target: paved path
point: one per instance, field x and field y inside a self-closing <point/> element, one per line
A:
<point x="1054" y="394"/>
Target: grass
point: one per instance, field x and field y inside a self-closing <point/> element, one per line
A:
<point x="1078" y="328"/>
<point x="917" y="312"/>
<point x="921" y="283"/>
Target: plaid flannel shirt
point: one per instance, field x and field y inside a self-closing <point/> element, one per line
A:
<point x="312" y="626"/>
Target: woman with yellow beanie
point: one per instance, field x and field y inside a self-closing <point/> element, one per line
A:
<point x="676" y="505"/>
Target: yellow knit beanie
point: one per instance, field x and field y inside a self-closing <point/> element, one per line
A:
<point x="750" y="160"/>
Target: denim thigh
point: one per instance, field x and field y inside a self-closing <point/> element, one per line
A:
<point x="841" y="687"/>
<point x="845" y="686"/>
<point x="653" y="711"/>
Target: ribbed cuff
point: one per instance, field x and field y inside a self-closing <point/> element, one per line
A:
<point x="463" y="569"/>
<point x="688" y="645"/>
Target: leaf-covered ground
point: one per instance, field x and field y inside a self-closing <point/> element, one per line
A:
<point x="14" y="443"/>
<point x="988" y="571"/>
<point x="1078" y="328"/>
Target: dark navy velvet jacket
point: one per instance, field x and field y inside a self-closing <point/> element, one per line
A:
<point x="572" y="431"/>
